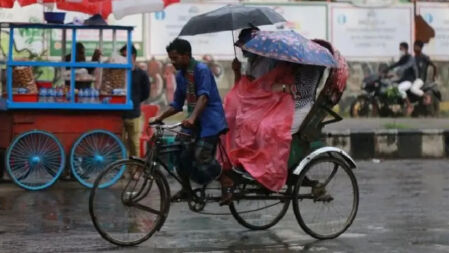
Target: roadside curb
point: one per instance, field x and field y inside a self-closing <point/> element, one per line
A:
<point x="391" y="143"/>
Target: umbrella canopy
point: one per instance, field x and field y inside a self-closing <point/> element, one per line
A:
<point x="231" y="17"/>
<point x="291" y="47"/>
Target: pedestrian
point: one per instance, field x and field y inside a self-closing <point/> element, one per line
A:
<point x="140" y="91"/>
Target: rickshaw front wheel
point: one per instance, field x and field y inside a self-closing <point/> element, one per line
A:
<point x="134" y="207"/>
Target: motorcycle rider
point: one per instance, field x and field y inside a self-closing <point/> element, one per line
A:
<point x="407" y="70"/>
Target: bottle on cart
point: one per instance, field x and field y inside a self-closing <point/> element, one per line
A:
<point x="81" y="95"/>
<point x="43" y="95"/>
<point x="59" y="95"/>
<point x="97" y="96"/>
<point x="68" y="94"/>
<point x="94" y="96"/>
<point x="91" y="95"/>
<point x="51" y="95"/>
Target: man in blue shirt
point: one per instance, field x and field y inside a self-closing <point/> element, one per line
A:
<point x="195" y="86"/>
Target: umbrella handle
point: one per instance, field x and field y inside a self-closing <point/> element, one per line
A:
<point x="233" y="44"/>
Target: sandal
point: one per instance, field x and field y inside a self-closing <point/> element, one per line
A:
<point x="227" y="193"/>
<point x="136" y="174"/>
<point x="180" y="196"/>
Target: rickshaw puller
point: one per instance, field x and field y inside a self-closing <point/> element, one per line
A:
<point x="206" y="118"/>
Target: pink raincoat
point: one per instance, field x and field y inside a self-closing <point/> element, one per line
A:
<point x="259" y="127"/>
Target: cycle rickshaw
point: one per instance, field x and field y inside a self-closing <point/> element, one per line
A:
<point x="321" y="186"/>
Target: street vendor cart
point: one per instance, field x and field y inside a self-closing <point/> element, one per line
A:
<point x="46" y="127"/>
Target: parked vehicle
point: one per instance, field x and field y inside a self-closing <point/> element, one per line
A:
<point x="381" y="98"/>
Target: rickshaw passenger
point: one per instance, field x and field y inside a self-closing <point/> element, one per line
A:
<point x="306" y="80"/>
<point x="300" y="83"/>
<point x="257" y="66"/>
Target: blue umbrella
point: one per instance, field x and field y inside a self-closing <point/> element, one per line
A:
<point x="289" y="46"/>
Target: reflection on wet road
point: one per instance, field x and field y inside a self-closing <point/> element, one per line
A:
<point x="403" y="208"/>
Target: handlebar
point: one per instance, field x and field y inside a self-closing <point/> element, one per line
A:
<point x="161" y="125"/>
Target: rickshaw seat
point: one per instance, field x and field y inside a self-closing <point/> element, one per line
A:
<point x="310" y="129"/>
<point x="309" y="135"/>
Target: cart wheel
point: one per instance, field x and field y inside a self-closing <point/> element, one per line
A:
<point x="35" y="160"/>
<point x="257" y="208"/>
<point x="326" y="198"/>
<point x="92" y="152"/>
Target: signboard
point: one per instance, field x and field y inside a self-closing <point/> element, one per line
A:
<point x="370" y="33"/>
<point x="91" y="38"/>
<point x="27" y="41"/>
<point x="310" y="20"/>
<point x="166" y="25"/>
<point x="437" y="16"/>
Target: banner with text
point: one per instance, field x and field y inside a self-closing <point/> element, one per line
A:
<point x="437" y="16"/>
<point x="309" y="20"/>
<point x="370" y="33"/>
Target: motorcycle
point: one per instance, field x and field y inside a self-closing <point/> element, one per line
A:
<point x="381" y="98"/>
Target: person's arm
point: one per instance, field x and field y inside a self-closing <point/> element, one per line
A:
<point x="201" y="103"/>
<point x="435" y="69"/>
<point x="176" y="105"/>
<point x="167" y="113"/>
<point x="237" y="68"/>
<point x="145" y="85"/>
<point x="285" y="78"/>
<point x="401" y="61"/>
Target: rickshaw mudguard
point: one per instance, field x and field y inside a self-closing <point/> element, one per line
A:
<point x="330" y="151"/>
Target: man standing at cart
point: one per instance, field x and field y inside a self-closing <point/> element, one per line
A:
<point x="195" y="84"/>
<point x="81" y="57"/>
<point x="140" y="91"/>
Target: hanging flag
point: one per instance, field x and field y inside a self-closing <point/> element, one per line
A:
<point x="85" y="6"/>
<point x="6" y="3"/>
<point x="120" y="8"/>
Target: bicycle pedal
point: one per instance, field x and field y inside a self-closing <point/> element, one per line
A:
<point x="131" y="194"/>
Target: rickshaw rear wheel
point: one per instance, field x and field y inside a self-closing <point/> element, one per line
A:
<point x="326" y="198"/>
<point x="132" y="209"/>
<point x="259" y="214"/>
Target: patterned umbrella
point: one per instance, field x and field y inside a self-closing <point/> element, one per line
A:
<point x="291" y="47"/>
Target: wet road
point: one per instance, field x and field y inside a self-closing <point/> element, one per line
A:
<point x="404" y="207"/>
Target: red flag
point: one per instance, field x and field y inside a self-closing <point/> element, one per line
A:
<point x="6" y="3"/>
<point x="86" y="6"/>
<point x="168" y="2"/>
<point x="29" y="2"/>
